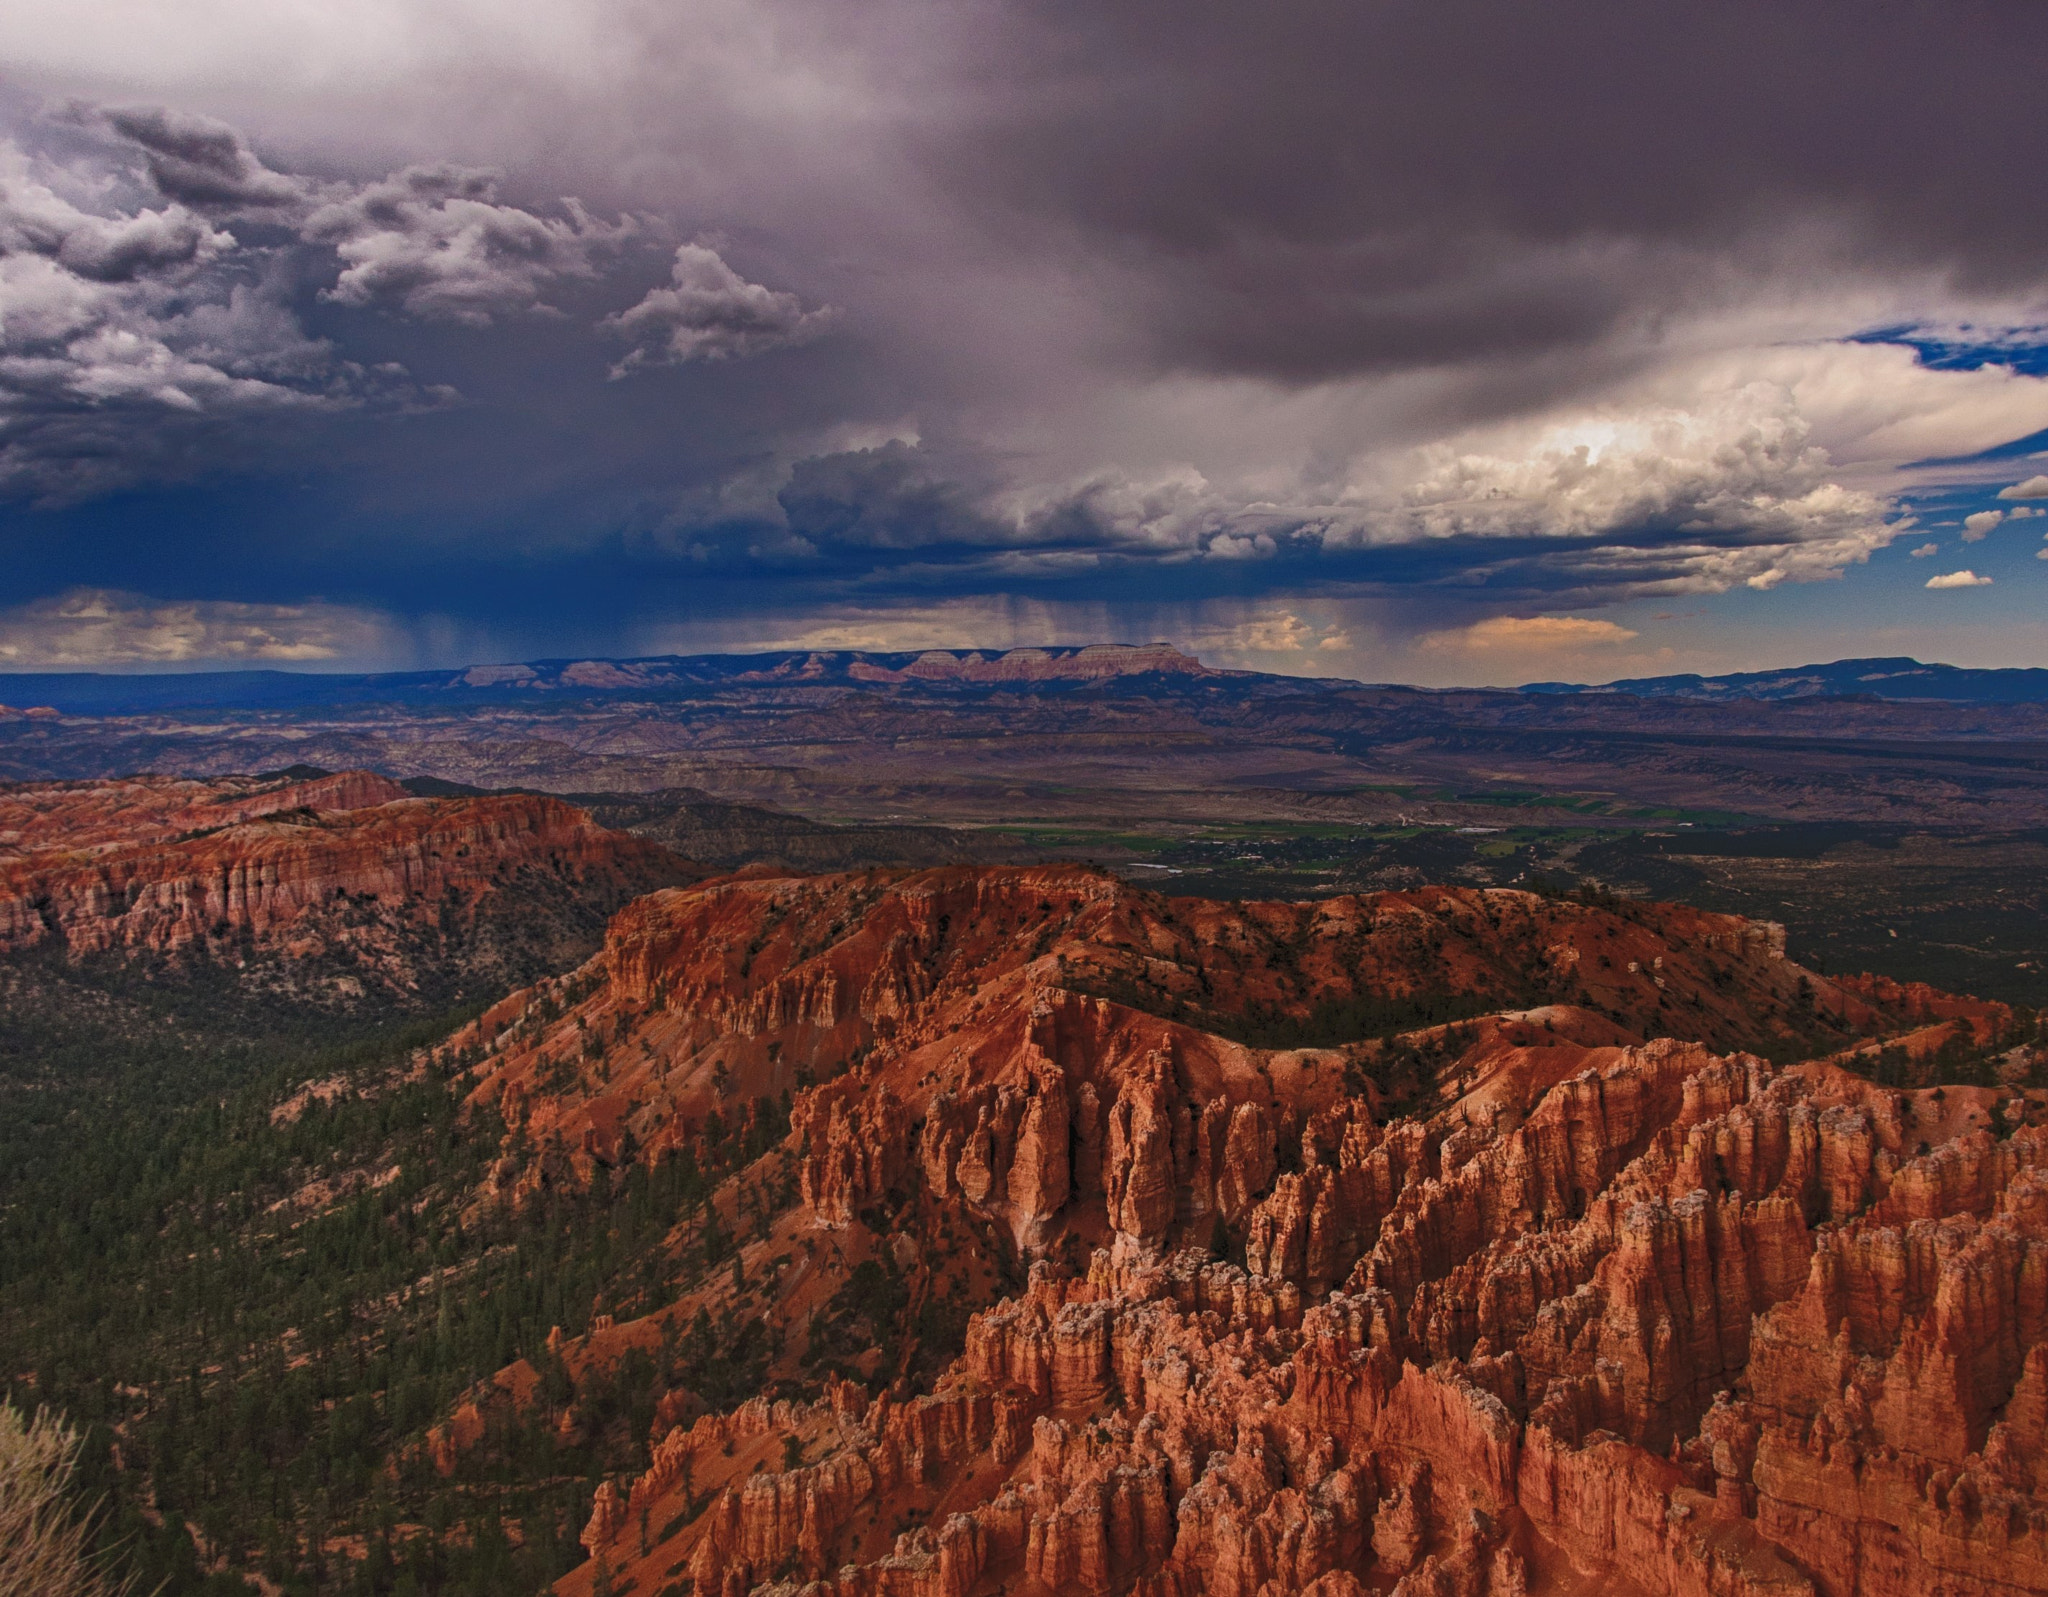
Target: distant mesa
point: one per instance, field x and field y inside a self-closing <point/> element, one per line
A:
<point x="1157" y="667"/>
<point x="1089" y="662"/>
<point x="496" y="676"/>
<point x="1031" y="665"/>
<point x="657" y="676"/>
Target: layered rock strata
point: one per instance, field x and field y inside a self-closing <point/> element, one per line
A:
<point x="1615" y="1306"/>
<point x="163" y="866"/>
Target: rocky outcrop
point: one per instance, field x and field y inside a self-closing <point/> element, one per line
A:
<point x="46" y="817"/>
<point x="854" y="1151"/>
<point x="238" y="868"/>
<point x="1609" y="1310"/>
<point x="1186" y="1427"/>
<point x="1003" y="1148"/>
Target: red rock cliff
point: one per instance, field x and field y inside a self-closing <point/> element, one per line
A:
<point x="1617" y="1306"/>
<point x="165" y="865"/>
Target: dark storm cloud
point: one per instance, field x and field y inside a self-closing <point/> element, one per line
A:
<point x="1319" y="188"/>
<point x="891" y="498"/>
<point x="151" y="344"/>
<point x="155" y="343"/>
<point x="127" y="339"/>
<point x="100" y="249"/>
<point x="202" y="162"/>
<point x="434" y="242"/>
<point x="1096" y="301"/>
<point x="1308" y="311"/>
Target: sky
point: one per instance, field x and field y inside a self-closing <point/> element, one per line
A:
<point x="1462" y="342"/>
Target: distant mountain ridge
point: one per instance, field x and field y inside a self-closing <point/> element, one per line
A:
<point x="1896" y="677"/>
<point x="1147" y="667"/>
<point x="660" y="676"/>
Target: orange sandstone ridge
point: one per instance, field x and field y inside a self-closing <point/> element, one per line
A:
<point x="39" y="818"/>
<point x="167" y="865"/>
<point x="1618" y="1306"/>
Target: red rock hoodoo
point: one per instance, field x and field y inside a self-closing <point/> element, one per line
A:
<point x="1586" y="1261"/>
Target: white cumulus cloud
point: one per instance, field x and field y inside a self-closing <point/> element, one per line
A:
<point x="1959" y="579"/>
<point x="2032" y="488"/>
<point x="434" y="242"/>
<point x="1284" y="633"/>
<point x="709" y="312"/>
<point x="1979" y="527"/>
<point x="127" y="331"/>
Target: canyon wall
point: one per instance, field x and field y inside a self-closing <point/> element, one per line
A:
<point x="242" y="867"/>
<point x="1560" y="1297"/>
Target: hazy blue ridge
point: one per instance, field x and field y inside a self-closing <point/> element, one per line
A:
<point x="1895" y="678"/>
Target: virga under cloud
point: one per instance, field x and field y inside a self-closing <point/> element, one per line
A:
<point x="1518" y="315"/>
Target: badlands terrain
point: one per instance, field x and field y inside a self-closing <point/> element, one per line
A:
<point x="1893" y="816"/>
<point x="415" y="1181"/>
<point x="323" y="887"/>
<point x="1576" y="1291"/>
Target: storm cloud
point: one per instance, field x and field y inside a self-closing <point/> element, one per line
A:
<point x="433" y="242"/>
<point x="122" y="332"/>
<point x="199" y="161"/>
<point x="1509" y="311"/>
<point x="1324" y="188"/>
<point x="709" y="312"/>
